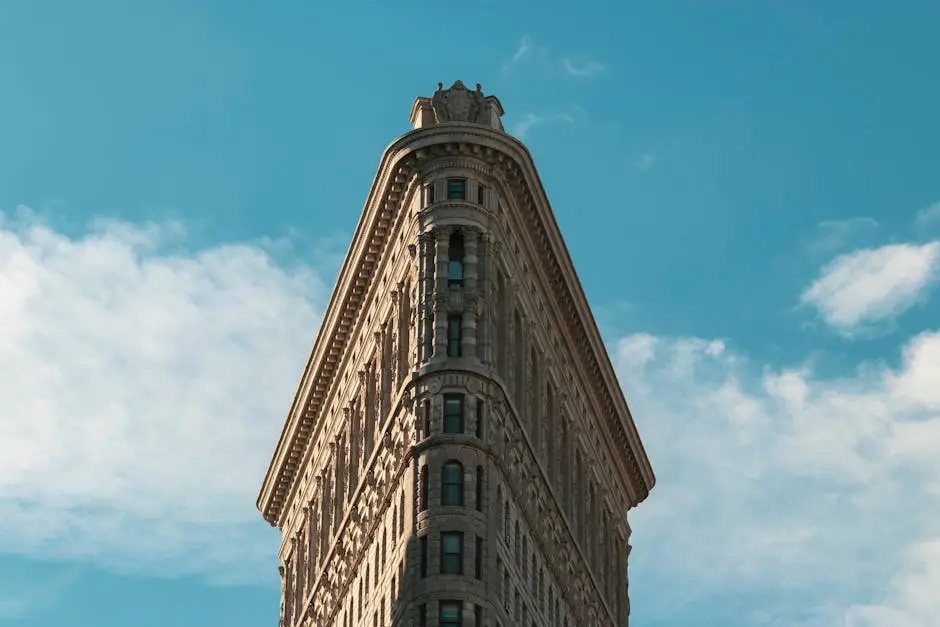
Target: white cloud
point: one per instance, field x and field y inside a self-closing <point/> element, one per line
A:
<point x="874" y="284"/>
<point x="815" y="498"/>
<point x="582" y="69"/>
<point x="142" y="394"/>
<point x="521" y="128"/>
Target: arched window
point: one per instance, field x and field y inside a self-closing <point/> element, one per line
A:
<point x="455" y="261"/>
<point x="452" y="484"/>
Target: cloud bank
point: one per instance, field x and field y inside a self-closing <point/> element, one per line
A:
<point x="142" y="393"/>
<point x="820" y="496"/>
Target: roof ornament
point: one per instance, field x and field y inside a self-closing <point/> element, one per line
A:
<point x="459" y="104"/>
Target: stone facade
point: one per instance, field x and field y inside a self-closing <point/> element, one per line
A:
<point x="459" y="451"/>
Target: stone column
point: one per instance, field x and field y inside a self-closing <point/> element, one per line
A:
<point x="284" y="618"/>
<point x="380" y="376"/>
<point x="471" y="294"/>
<point x="425" y="294"/>
<point x="368" y="421"/>
<point x="313" y="544"/>
<point x="394" y="337"/>
<point x="441" y="291"/>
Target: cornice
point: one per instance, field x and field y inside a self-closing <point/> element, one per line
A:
<point x="401" y="159"/>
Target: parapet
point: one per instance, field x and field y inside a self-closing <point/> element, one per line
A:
<point x="457" y="104"/>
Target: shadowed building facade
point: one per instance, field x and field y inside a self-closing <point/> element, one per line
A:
<point x="459" y="452"/>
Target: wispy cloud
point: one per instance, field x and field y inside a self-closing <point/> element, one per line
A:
<point x="522" y="128"/>
<point x="928" y="216"/>
<point x="834" y="236"/>
<point x="872" y="285"/>
<point x="583" y="68"/>
<point x="526" y="48"/>
<point x="646" y="162"/>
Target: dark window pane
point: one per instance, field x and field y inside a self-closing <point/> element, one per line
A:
<point x="456" y="189"/>
<point x="452" y="484"/>
<point x="453" y="414"/>
<point x="452" y="553"/>
<point x="450" y="615"/>
<point x="455" y="272"/>
<point x="454" y="336"/>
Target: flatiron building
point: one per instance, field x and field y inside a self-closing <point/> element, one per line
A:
<point x="459" y="452"/>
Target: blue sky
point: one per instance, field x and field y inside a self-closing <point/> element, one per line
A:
<point x="750" y="192"/>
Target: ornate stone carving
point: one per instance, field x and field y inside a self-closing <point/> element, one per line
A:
<point x="459" y="104"/>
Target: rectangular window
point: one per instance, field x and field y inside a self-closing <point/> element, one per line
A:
<point x="452" y="553"/>
<point x="481" y="194"/>
<point x="424" y="488"/>
<point x="456" y="189"/>
<point x="477" y="616"/>
<point x="480" y="418"/>
<point x="451" y="614"/>
<point x="479" y="490"/>
<point x="424" y="555"/>
<point x="454" y="335"/>
<point x="427" y="417"/>
<point x="453" y="413"/>
<point x="423" y="615"/>
<point x="478" y="558"/>
<point x="429" y="194"/>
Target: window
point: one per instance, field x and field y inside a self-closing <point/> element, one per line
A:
<point x="479" y="425"/>
<point x="424" y="556"/>
<point x="478" y="559"/>
<point x="455" y="259"/>
<point x="452" y="484"/>
<point x="453" y="413"/>
<point x="479" y="490"/>
<point x="423" y="615"/>
<point x="477" y="616"/>
<point x="429" y="194"/>
<point x="427" y="417"/>
<point x="481" y="194"/>
<point x="456" y="189"/>
<point x="452" y="553"/>
<point x="424" y="488"/>
<point x="454" y="335"/>
<point x="451" y="614"/>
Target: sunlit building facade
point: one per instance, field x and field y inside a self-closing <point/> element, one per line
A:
<point x="459" y="452"/>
